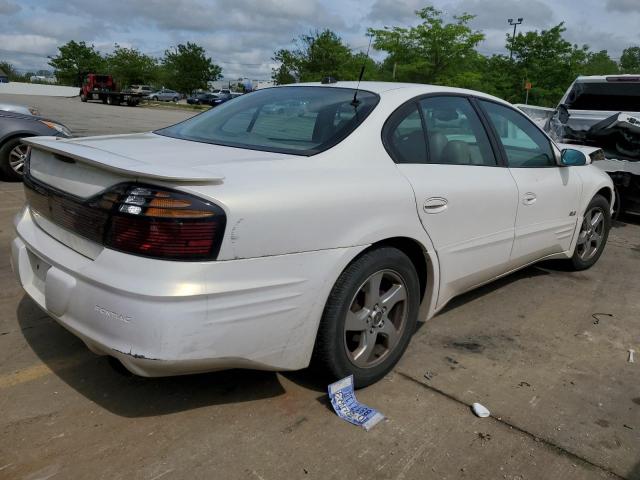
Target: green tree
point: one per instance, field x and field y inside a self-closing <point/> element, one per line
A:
<point x="74" y="60"/>
<point x="318" y="55"/>
<point x="187" y="68"/>
<point x="548" y="61"/>
<point x="130" y="66"/>
<point x="630" y="60"/>
<point x="431" y="52"/>
<point x="599" y="63"/>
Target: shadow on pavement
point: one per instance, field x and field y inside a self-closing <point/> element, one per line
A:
<point x="130" y="395"/>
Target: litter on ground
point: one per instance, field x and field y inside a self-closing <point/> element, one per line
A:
<point x="343" y="400"/>
<point x="480" y="410"/>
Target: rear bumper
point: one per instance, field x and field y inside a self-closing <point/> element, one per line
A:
<point x="168" y="318"/>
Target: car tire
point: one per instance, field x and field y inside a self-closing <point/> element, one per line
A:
<point x="10" y="165"/>
<point x="175" y="99"/>
<point x="109" y="100"/>
<point x="83" y="98"/>
<point x="358" y="334"/>
<point x="155" y="99"/>
<point x="593" y="234"/>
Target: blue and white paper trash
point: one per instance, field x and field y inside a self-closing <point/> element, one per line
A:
<point x="348" y="408"/>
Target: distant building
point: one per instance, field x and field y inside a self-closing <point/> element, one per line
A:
<point x="4" y="78"/>
<point x="42" y="79"/>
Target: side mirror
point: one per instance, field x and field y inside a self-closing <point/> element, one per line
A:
<point x="573" y="158"/>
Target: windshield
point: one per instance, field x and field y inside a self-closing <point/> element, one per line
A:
<point x="608" y="96"/>
<point x="297" y="120"/>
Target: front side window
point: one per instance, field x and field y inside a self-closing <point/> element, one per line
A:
<point x="297" y="120"/>
<point x="455" y="134"/>
<point x="524" y="144"/>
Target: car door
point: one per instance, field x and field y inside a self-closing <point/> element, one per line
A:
<point x="549" y="194"/>
<point x="466" y="200"/>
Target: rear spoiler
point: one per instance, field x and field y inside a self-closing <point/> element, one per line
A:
<point x="119" y="163"/>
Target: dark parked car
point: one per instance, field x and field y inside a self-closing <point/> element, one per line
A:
<point x="220" y="98"/>
<point x="13" y="128"/>
<point x="201" y="99"/>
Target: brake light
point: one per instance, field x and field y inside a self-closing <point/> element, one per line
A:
<point x="623" y="79"/>
<point x="161" y="223"/>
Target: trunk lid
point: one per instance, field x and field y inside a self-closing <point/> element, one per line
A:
<point x="86" y="166"/>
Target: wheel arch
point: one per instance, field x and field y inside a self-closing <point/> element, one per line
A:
<point x="425" y="264"/>
<point x="607" y="193"/>
<point x="14" y="135"/>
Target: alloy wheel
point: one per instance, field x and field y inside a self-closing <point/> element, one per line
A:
<point x="17" y="157"/>
<point x="376" y="319"/>
<point x="591" y="234"/>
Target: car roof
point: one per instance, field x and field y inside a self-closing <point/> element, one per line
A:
<point x="604" y="78"/>
<point x="411" y="89"/>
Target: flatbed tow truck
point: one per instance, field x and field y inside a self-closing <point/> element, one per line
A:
<point x="103" y="88"/>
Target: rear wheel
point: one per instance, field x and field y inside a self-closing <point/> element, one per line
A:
<point x="110" y="100"/>
<point x="83" y="97"/>
<point x="369" y="317"/>
<point x="12" y="157"/>
<point x="175" y="99"/>
<point x="593" y="235"/>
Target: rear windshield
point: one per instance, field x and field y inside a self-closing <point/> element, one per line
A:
<point x="611" y="96"/>
<point x="297" y="120"/>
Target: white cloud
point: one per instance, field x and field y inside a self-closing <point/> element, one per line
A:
<point x="242" y="35"/>
<point x="493" y="14"/>
<point x="28" y="44"/>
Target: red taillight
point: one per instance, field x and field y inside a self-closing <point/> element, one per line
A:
<point x="138" y="219"/>
<point x="163" y="239"/>
<point x="165" y="224"/>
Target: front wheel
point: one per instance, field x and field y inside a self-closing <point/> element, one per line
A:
<point x="175" y="99"/>
<point x="369" y="317"/>
<point x="12" y="157"/>
<point x="83" y="98"/>
<point x="593" y="235"/>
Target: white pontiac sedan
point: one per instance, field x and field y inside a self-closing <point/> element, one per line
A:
<point x="257" y="235"/>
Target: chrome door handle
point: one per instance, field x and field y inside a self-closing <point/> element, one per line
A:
<point x="529" y="198"/>
<point x="435" y="205"/>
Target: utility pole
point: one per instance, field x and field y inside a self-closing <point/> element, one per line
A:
<point x="515" y="25"/>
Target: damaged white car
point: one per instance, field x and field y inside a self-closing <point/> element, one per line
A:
<point x="259" y="236"/>
<point x="601" y="114"/>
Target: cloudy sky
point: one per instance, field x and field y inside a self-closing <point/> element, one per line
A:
<point x="241" y="35"/>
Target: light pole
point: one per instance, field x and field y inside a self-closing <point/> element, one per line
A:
<point x="515" y="25"/>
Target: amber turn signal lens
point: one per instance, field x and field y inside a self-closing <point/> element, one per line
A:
<point x="167" y="213"/>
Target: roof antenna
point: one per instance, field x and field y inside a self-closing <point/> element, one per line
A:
<point x="355" y="102"/>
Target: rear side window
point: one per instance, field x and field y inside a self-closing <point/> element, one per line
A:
<point x="455" y="134"/>
<point x="406" y="138"/>
<point x="524" y="144"/>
